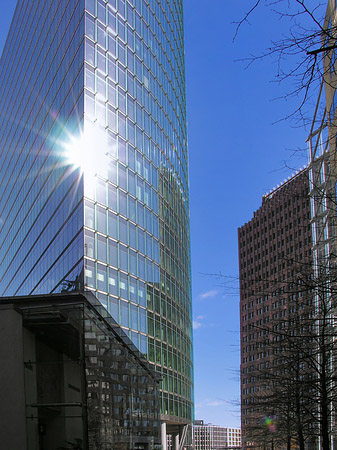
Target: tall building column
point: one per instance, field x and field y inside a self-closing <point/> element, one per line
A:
<point x="163" y="436"/>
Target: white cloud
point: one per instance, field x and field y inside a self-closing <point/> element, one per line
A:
<point x="216" y="403"/>
<point x="211" y="403"/>
<point x="197" y="323"/>
<point x="209" y="294"/>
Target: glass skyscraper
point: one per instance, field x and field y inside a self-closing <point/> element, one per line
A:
<point x="94" y="171"/>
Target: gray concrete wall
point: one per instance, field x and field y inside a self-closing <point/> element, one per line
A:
<point x="31" y="389"/>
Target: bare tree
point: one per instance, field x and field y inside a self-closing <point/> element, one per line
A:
<point x="298" y="54"/>
<point x="296" y="388"/>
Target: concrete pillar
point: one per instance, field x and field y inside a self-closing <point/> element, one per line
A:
<point x="163" y="436"/>
<point x="175" y="441"/>
<point x="13" y="435"/>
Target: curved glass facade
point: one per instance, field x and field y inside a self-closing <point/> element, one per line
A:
<point x="136" y="191"/>
<point x="122" y="123"/>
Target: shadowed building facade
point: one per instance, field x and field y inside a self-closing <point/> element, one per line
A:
<point x="94" y="172"/>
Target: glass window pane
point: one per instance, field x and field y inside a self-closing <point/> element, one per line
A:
<point x="133" y="262"/>
<point x="122" y="150"/>
<point x="122" y="176"/>
<point x="143" y="344"/>
<point x="135" y="338"/>
<point x="89" y="213"/>
<point x="142" y="320"/>
<point x="134" y="317"/>
<point x="122" y="202"/>
<point x="132" y="236"/>
<point x="113" y="253"/>
<point x="122" y="230"/>
<point x="101" y="61"/>
<point x="121" y="125"/>
<point x="114" y="308"/>
<point x="123" y="285"/>
<point x="101" y="11"/>
<point x="101" y="35"/>
<point x="112" y="20"/>
<point x="112" y="121"/>
<point x="112" y="69"/>
<point x="89" y="52"/>
<point x="112" y="171"/>
<point x="89" y="274"/>
<point x="90" y="6"/>
<point x="123" y="257"/>
<point x="113" y="230"/>
<point x="89" y="244"/>
<point x="141" y="293"/>
<point x="90" y="78"/>
<point x="124" y="307"/>
<point x="131" y="208"/>
<point x="112" y="197"/>
<point x="100" y="191"/>
<point x="89" y="105"/>
<point x="133" y="289"/>
<point x="101" y="278"/>
<point x="101" y="219"/>
<point x="101" y="248"/>
<point x="112" y="281"/>
<point x="141" y="241"/>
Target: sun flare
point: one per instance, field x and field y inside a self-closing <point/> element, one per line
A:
<point x="88" y="151"/>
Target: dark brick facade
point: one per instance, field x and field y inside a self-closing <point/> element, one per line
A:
<point x="274" y="249"/>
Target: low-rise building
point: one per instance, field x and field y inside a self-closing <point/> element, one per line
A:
<point x="213" y="437"/>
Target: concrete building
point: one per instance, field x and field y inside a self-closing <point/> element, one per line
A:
<point x="214" y="437"/>
<point x="94" y="173"/>
<point x="275" y="268"/>
<point x="234" y="438"/>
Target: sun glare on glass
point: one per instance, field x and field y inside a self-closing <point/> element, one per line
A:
<point x="76" y="152"/>
<point x="87" y="152"/>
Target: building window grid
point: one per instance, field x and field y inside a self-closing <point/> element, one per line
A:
<point x="177" y="155"/>
<point x="135" y="100"/>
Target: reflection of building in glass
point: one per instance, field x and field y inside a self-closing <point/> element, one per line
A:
<point x="73" y="377"/>
<point x="213" y="437"/>
<point x="94" y="173"/>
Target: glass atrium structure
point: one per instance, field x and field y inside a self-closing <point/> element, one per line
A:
<point x="75" y="380"/>
<point x="94" y="170"/>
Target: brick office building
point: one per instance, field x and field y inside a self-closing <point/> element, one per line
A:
<point x="274" y="257"/>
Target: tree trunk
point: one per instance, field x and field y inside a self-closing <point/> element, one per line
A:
<point x="324" y="394"/>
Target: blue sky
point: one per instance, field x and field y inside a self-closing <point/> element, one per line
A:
<point x="236" y="156"/>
